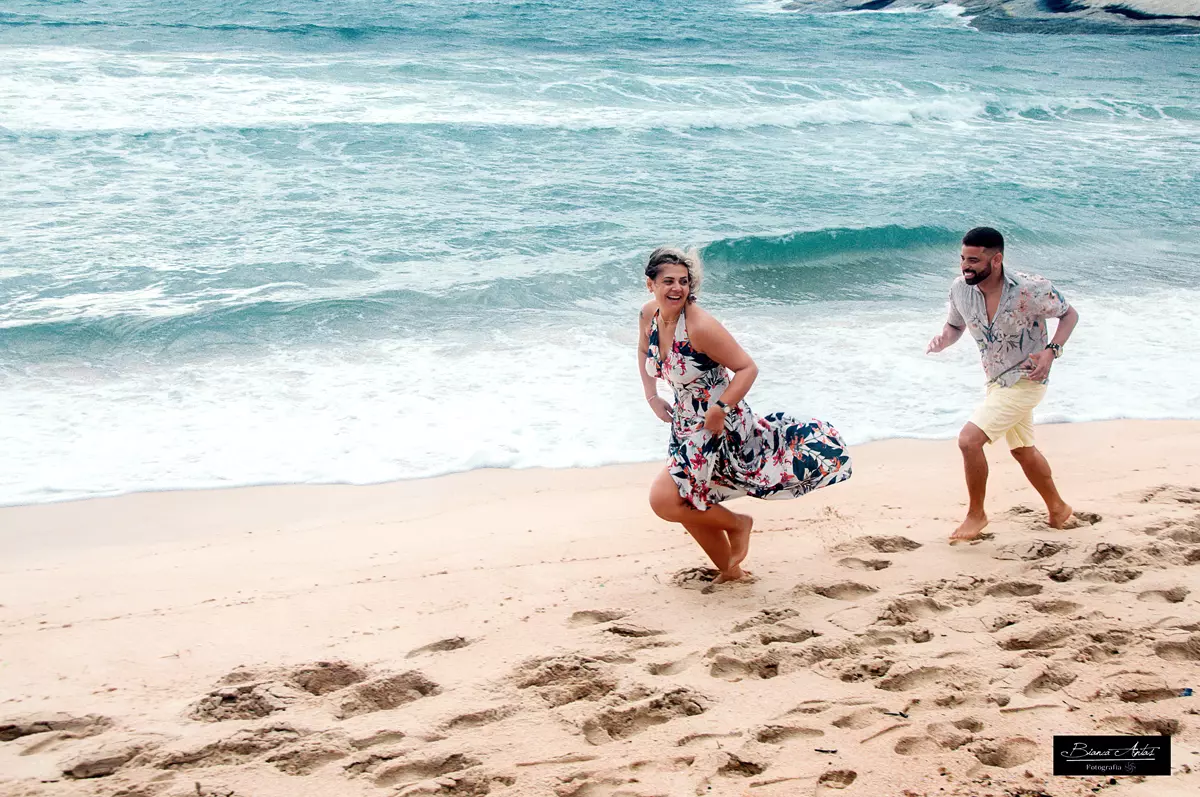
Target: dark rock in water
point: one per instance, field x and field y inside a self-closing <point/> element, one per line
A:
<point x="1162" y="17"/>
<point x="1063" y="6"/>
<point x="1143" y="16"/>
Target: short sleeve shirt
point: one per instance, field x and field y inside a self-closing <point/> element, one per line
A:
<point x="1019" y="328"/>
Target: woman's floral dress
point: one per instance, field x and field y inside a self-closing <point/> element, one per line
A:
<point x="775" y="456"/>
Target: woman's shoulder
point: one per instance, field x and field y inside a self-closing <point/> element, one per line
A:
<point x="701" y="319"/>
<point x="648" y="310"/>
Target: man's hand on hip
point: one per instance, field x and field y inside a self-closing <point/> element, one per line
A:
<point x="1039" y="365"/>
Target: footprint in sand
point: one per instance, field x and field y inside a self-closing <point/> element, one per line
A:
<point x="695" y="577"/>
<point x="242" y="746"/>
<point x="841" y="590"/>
<point x="810" y="707"/>
<point x="245" y="701"/>
<point x="441" y="646"/>
<point x="1115" y="575"/>
<point x="1060" y="607"/>
<point x="310" y="754"/>
<point x="476" y="719"/>
<point x="766" y="617"/>
<point x="1141" y="726"/>
<point x="1037" y="638"/>
<point x="786" y="634"/>
<point x="732" y="668"/>
<point x="673" y="667"/>
<point x="65" y="725"/>
<point x="1106" y="551"/>
<point x="596" y="616"/>
<point x="385" y="693"/>
<point x="854" y="563"/>
<point x="903" y="611"/>
<point x="1035" y="518"/>
<point x="891" y="544"/>
<point x="837" y="778"/>
<point x="1140" y="687"/>
<point x="864" y="669"/>
<point x="968" y="724"/>
<point x="1172" y="595"/>
<point x="632" y="631"/>
<point x="778" y="734"/>
<point x="325" y="677"/>
<point x="857" y="720"/>
<point x="560" y="680"/>
<point x="1008" y="753"/>
<point x="629" y="720"/>
<point x="1013" y="589"/>
<point x="711" y="741"/>
<point x="1170" y="493"/>
<point x="917" y="745"/>
<point x="377" y="738"/>
<point x="1030" y="551"/>
<point x="405" y="771"/>
<point x="1187" y="536"/>
<point x="1049" y="681"/>
<point x="248" y="694"/>
<point x="736" y="766"/>
<point x="1179" y="650"/>
<point x="913" y="679"/>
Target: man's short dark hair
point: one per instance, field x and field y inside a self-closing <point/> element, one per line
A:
<point x="985" y="237"/>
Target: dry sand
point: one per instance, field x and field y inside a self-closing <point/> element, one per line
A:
<point x="540" y="633"/>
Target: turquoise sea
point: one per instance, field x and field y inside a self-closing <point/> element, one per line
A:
<point x="298" y="241"/>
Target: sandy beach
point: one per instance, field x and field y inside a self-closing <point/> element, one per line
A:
<point x="540" y="632"/>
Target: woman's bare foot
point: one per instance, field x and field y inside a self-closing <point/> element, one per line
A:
<point x="739" y="540"/>
<point x="971" y="529"/>
<point x="1060" y="516"/>
<point x="734" y="573"/>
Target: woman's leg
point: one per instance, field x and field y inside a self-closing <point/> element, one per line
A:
<point x="724" y="535"/>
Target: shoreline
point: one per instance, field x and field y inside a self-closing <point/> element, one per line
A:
<point x="470" y="625"/>
<point x="217" y="488"/>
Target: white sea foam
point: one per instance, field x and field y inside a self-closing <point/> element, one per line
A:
<point x="159" y="93"/>
<point x="551" y="394"/>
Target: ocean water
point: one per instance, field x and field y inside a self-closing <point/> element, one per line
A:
<point x="293" y="241"/>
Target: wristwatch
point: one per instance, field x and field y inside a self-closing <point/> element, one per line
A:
<point x="722" y="405"/>
<point x="1056" y="348"/>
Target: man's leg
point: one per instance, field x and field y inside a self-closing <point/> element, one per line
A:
<point x="1037" y="470"/>
<point x="971" y="441"/>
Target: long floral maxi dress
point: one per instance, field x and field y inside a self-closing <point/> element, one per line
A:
<point x="775" y="456"/>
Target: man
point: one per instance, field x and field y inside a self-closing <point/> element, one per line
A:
<point x="1006" y="313"/>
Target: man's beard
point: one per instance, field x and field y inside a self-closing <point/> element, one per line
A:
<point x="979" y="277"/>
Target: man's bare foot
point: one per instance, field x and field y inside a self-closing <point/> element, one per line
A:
<point x="1060" y="516"/>
<point x="734" y="573"/>
<point x="970" y="529"/>
<point x="739" y="540"/>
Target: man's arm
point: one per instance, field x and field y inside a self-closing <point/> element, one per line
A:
<point x="1066" y="325"/>
<point x="947" y="338"/>
<point x="951" y="332"/>
<point x="1042" y="360"/>
<point x="1054" y="306"/>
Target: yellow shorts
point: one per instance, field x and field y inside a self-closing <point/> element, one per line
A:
<point x="1008" y="411"/>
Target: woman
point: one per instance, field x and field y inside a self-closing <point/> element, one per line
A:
<point x="719" y="448"/>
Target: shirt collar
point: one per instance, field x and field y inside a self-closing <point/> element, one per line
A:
<point x="1009" y="280"/>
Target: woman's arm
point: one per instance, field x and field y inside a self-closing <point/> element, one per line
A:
<point x="709" y="336"/>
<point x="649" y="384"/>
